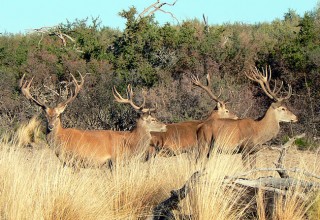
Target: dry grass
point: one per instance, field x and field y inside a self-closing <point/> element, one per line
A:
<point x="35" y="185"/>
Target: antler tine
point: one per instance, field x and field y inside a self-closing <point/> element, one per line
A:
<point x="270" y="73"/>
<point x="130" y="97"/>
<point x="129" y="100"/>
<point x="25" y="89"/>
<point x="78" y="87"/>
<point x="21" y="81"/>
<point x="208" y="78"/>
<point x="277" y="90"/>
<point x="287" y="96"/>
<point x="129" y="93"/>
<point x="116" y="95"/>
<point x="265" y="76"/>
<point x="289" y="93"/>
<point x="264" y="79"/>
<point x="251" y="74"/>
<point x="196" y="81"/>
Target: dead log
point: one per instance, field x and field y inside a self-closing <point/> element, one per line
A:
<point x="272" y="187"/>
<point x="283" y="152"/>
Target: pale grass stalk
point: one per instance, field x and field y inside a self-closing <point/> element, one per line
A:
<point x="298" y="200"/>
<point x="211" y="198"/>
<point x="27" y="133"/>
<point x="292" y="206"/>
<point x="314" y="212"/>
<point x="35" y="185"/>
<point x="261" y="206"/>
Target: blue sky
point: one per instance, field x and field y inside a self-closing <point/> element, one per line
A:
<point x="17" y="16"/>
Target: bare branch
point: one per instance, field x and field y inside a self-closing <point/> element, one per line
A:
<point x="206" y="24"/>
<point x="283" y="151"/>
<point x="157" y="6"/>
<point x="55" y="31"/>
<point x="295" y="170"/>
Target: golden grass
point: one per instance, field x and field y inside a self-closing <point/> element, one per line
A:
<point x="35" y="185"/>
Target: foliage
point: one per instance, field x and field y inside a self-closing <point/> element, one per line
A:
<point x="161" y="58"/>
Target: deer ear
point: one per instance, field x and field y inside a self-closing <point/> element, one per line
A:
<point x="60" y="108"/>
<point x="219" y="106"/>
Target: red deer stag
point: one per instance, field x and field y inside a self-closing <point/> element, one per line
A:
<point x="79" y="147"/>
<point x="182" y="136"/>
<point x="140" y="137"/>
<point x="247" y="135"/>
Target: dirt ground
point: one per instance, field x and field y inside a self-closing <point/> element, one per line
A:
<point x="305" y="160"/>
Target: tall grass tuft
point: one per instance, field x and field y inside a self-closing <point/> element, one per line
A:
<point x="34" y="184"/>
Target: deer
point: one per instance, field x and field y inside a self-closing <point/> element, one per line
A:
<point x="246" y="136"/>
<point x="80" y="148"/>
<point x="140" y="137"/>
<point x="182" y="136"/>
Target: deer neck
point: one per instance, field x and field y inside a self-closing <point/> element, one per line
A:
<point x="54" y="135"/>
<point x="213" y="115"/>
<point x="140" y="135"/>
<point x="142" y="131"/>
<point x="268" y="127"/>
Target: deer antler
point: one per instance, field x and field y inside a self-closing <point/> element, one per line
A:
<point x="25" y="89"/>
<point x="78" y="87"/>
<point x="195" y="80"/>
<point x="264" y="80"/>
<point x="129" y="100"/>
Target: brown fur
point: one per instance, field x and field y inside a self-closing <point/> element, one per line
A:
<point x="95" y="146"/>
<point x="244" y="135"/>
<point x="182" y="136"/>
<point x="99" y="146"/>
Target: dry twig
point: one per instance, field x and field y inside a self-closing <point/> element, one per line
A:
<point x="157" y="6"/>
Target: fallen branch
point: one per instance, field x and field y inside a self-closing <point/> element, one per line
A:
<point x="295" y="170"/>
<point x="283" y="152"/>
<point x="273" y="186"/>
<point x="277" y="183"/>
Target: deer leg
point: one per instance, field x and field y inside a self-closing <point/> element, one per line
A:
<point x="204" y="150"/>
<point x="150" y="153"/>
<point x="210" y="148"/>
<point x="110" y="164"/>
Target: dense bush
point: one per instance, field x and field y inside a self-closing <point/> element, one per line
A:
<point x="161" y="59"/>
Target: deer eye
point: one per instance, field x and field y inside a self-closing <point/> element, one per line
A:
<point x="227" y="111"/>
<point x="283" y="109"/>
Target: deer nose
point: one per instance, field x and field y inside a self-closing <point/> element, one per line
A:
<point x="50" y="127"/>
<point x="295" y="119"/>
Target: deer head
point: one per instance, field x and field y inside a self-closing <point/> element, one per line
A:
<point x="52" y="113"/>
<point x="263" y="78"/>
<point x="222" y="111"/>
<point x="146" y="119"/>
